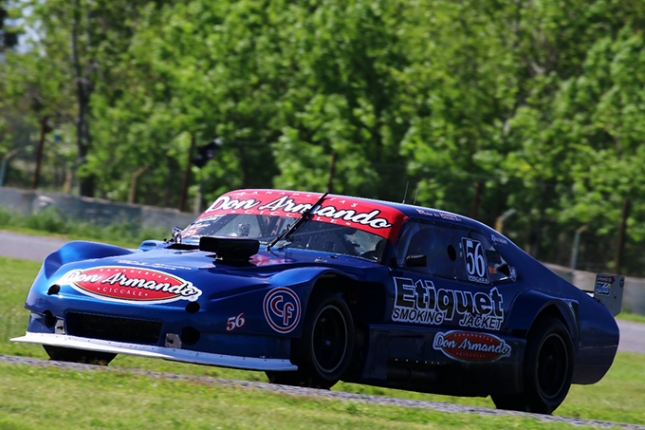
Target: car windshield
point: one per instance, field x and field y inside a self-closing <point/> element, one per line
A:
<point x="313" y="235"/>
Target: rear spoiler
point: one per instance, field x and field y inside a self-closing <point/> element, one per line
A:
<point x="608" y="290"/>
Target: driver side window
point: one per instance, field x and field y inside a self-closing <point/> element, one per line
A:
<point x="451" y="252"/>
<point x="428" y="248"/>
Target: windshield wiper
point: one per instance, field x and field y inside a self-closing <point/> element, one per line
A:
<point x="306" y="216"/>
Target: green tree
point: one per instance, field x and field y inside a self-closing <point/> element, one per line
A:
<point x="8" y="34"/>
<point x="459" y="91"/>
<point x="82" y="41"/>
<point x="566" y="153"/>
<point x="33" y="94"/>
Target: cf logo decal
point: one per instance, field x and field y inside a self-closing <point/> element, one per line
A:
<point x="282" y="309"/>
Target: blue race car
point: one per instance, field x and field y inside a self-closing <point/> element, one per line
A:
<point x="315" y="288"/>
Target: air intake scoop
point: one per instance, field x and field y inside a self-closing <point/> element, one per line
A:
<point x="230" y="248"/>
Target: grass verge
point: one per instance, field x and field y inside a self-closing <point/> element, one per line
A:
<point x="126" y="401"/>
<point x="631" y="317"/>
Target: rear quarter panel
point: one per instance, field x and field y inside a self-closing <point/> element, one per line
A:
<point x="593" y="329"/>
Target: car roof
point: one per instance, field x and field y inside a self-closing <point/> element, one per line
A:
<point x="410" y="211"/>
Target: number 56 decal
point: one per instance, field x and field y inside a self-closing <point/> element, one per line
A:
<point x="236" y="321"/>
<point x="475" y="261"/>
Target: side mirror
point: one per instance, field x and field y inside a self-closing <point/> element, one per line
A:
<point x="176" y="234"/>
<point x="416" y="261"/>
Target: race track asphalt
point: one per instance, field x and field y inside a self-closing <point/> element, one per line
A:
<point x="27" y="247"/>
<point x="36" y="248"/>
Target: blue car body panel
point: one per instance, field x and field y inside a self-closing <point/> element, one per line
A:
<point x="183" y="303"/>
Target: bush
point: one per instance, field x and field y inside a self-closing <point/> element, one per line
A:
<point x="49" y="220"/>
<point x="7" y="218"/>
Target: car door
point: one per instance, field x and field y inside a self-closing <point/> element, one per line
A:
<point x="446" y="277"/>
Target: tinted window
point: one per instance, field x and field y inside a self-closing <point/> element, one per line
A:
<point x="481" y="262"/>
<point x="451" y="252"/>
<point x="433" y="241"/>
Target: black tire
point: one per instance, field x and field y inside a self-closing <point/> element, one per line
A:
<point x="324" y="351"/>
<point x="78" y="355"/>
<point x="548" y="369"/>
<point x="510" y="402"/>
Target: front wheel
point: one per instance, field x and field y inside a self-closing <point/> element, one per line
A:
<point x="324" y="351"/>
<point x="548" y="369"/>
<point x="78" y="355"/>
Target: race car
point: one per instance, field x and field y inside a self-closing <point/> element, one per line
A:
<point x="315" y="288"/>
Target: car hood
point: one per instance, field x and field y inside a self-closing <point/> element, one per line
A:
<point x="166" y="275"/>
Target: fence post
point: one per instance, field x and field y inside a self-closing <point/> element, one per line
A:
<point x="576" y="245"/>
<point x="189" y="161"/>
<point x="39" y="152"/>
<point x="622" y="229"/>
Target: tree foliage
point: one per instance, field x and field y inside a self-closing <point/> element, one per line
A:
<point x="472" y="106"/>
<point x="8" y="34"/>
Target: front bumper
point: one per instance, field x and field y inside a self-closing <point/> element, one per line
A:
<point x="153" y="351"/>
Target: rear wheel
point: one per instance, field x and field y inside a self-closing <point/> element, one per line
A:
<point x="323" y="353"/>
<point x="78" y="355"/>
<point x="548" y="369"/>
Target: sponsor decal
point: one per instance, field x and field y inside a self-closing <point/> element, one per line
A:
<point x="130" y="284"/>
<point x="282" y="309"/>
<point x="263" y="260"/>
<point x="603" y="284"/>
<point x="426" y="213"/>
<point x="471" y="347"/>
<point x="236" y="321"/>
<point x="419" y="302"/>
<point x="497" y="240"/>
<point x="153" y="265"/>
<point x="439" y="214"/>
<point x="193" y="229"/>
<point x="449" y="216"/>
<point x="475" y="260"/>
<point x="363" y="215"/>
